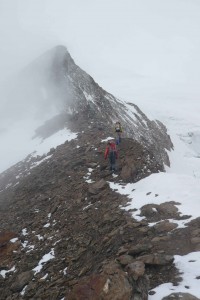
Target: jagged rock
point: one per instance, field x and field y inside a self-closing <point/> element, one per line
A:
<point x="180" y="296"/>
<point x="125" y="260"/>
<point x="195" y="232"/>
<point x="195" y="240"/>
<point x="136" y="269"/>
<point x="149" y="210"/>
<point x="159" y="212"/>
<point x="103" y="286"/>
<point x="158" y="239"/>
<point x="168" y="208"/>
<point x="128" y="172"/>
<point x="156" y="259"/>
<point x="21" y="280"/>
<point x="134" y="250"/>
<point x="111" y="284"/>
<point x="165" y="226"/>
<point x="96" y="187"/>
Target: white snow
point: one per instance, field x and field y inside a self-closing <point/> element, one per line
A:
<point x="40" y="238"/>
<point x="4" y="272"/>
<point x="35" y="164"/>
<point x="24" y="231"/>
<point x="42" y="147"/>
<point x="88" y="97"/>
<point x="189" y="266"/>
<point x="23" y="291"/>
<point x="44" y="277"/>
<point x="107" y="139"/>
<point x="65" y="271"/>
<point x="163" y="187"/>
<point x="43" y="260"/>
<point x="20" y="138"/>
<point x="87" y="206"/>
<point x="14" y="240"/>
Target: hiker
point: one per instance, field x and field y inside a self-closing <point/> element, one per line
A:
<point x="118" y="130"/>
<point x="111" y="152"/>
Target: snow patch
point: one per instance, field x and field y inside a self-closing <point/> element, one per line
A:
<point x="43" y="260"/>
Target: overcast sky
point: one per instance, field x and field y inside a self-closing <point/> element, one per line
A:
<point x="139" y="50"/>
<point x="112" y="40"/>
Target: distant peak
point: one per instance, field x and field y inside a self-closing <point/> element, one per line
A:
<point x="61" y="49"/>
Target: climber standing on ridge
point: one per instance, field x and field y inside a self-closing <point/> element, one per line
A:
<point x="118" y="130"/>
<point x="111" y="152"/>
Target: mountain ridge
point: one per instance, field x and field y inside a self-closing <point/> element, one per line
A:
<point x="65" y="233"/>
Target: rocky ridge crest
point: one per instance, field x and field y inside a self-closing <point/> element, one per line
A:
<point x="64" y="233"/>
<point x="62" y="207"/>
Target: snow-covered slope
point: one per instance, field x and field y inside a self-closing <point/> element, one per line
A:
<point x="181" y="181"/>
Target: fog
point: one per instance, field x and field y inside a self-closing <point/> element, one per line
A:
<point x="133" y="49"/>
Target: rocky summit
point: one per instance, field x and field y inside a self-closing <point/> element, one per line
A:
<point x="64" y="232"/>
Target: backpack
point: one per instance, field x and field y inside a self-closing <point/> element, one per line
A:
<point x="112" y="150"/>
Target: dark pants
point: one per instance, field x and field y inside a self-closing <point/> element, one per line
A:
<point x="112" y="160"/>
<point x="118" y="138"/>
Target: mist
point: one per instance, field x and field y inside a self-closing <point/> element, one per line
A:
<point x="133" y="49"/>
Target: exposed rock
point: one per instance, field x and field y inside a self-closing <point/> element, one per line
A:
<point x="160" y="239"/>
<point x="133" y="250"/>
<point x="195" y="240"/>
<point x="180" y="296"/>
<point x="168" y="208"/>
<point x="195" y="232"/>
<point x="149" y="210"/>
<point x="156" y="259"/>
<point x="165" y="226"/>
<point x="21" y="280"/>
<point x="161" y="211"/>
<point x="136" y="269"/>
<point x="112" y="284"/>
<point x="125" y="260"/>
<point x="97" y="186"/>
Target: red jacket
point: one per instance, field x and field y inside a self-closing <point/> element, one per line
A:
<point x="110" y="147"/>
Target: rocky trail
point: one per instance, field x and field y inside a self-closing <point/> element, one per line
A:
<point x="64" y="233"/>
